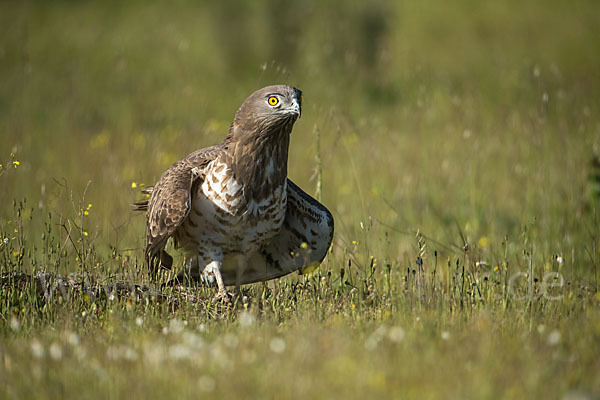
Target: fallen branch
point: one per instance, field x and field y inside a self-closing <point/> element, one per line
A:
<point x="48" y="285"/>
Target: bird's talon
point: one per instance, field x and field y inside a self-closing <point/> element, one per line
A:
<point x="224" y="296"/>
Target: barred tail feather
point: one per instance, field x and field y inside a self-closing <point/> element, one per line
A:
<point x="142" y="205"/>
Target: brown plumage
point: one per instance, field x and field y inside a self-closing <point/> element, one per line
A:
<point x="231" y="208"/>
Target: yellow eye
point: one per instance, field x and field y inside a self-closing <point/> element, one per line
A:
<point x="273" y="101"/>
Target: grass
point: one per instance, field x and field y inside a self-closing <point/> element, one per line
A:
<point x="456" y="146"/>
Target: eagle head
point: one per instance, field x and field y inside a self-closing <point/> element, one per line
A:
<point x="270" y="107"/>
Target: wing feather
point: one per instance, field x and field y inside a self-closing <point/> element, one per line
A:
<point x="171" y="197"/>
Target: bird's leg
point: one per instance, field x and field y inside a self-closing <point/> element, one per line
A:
<point x="239" y="274"/>
<point x="214" y="268"/>
<point x="166" y="261"/>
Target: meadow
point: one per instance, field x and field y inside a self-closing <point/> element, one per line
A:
<point x="456" y="144"/>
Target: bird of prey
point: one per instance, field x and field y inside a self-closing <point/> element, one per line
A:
<point x="231" y="208"/>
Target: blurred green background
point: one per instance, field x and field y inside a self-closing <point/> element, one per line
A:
<point x="473" y="116"/>
<point x="472" y="122"/>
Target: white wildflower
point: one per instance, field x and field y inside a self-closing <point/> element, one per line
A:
<point x="445" y="335"/>
<point x="179" y="352"/>
<point x="37" y="349"/>
<point x="545" y="97"/>
<point x="73" y="339"/>
<point x="193" y="340"/>
<point x="246" y="319"/>
<point x="121" y="352"/>
<point x="277" y="345"/>
<point x="129" y="354"/>
<point x="15" y="324"/>
<point x="176" y="326"/>
<point x="396" y="334"/>
<point x="541" y="328"/>
<point x="554" y="338"/>
<point x="55" y="351"/>
<point x="376" y="337"/>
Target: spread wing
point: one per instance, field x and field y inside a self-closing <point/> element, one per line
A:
<point x="303" y="241"/>
<point x="170" y="201"/>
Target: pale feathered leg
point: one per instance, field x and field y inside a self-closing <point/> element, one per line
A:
<point x="214" y="269"/>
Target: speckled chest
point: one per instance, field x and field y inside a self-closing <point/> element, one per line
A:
<point x="223" y="220"/>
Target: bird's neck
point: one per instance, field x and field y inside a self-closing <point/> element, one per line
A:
<point x="259" y="160"/>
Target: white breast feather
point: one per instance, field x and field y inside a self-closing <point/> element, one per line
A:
<point x="224" y="180"/>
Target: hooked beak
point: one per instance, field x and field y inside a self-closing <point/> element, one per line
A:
<point x="295" y="108"/>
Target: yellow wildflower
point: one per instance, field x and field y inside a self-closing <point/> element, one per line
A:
<point x="133" y="185"/>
